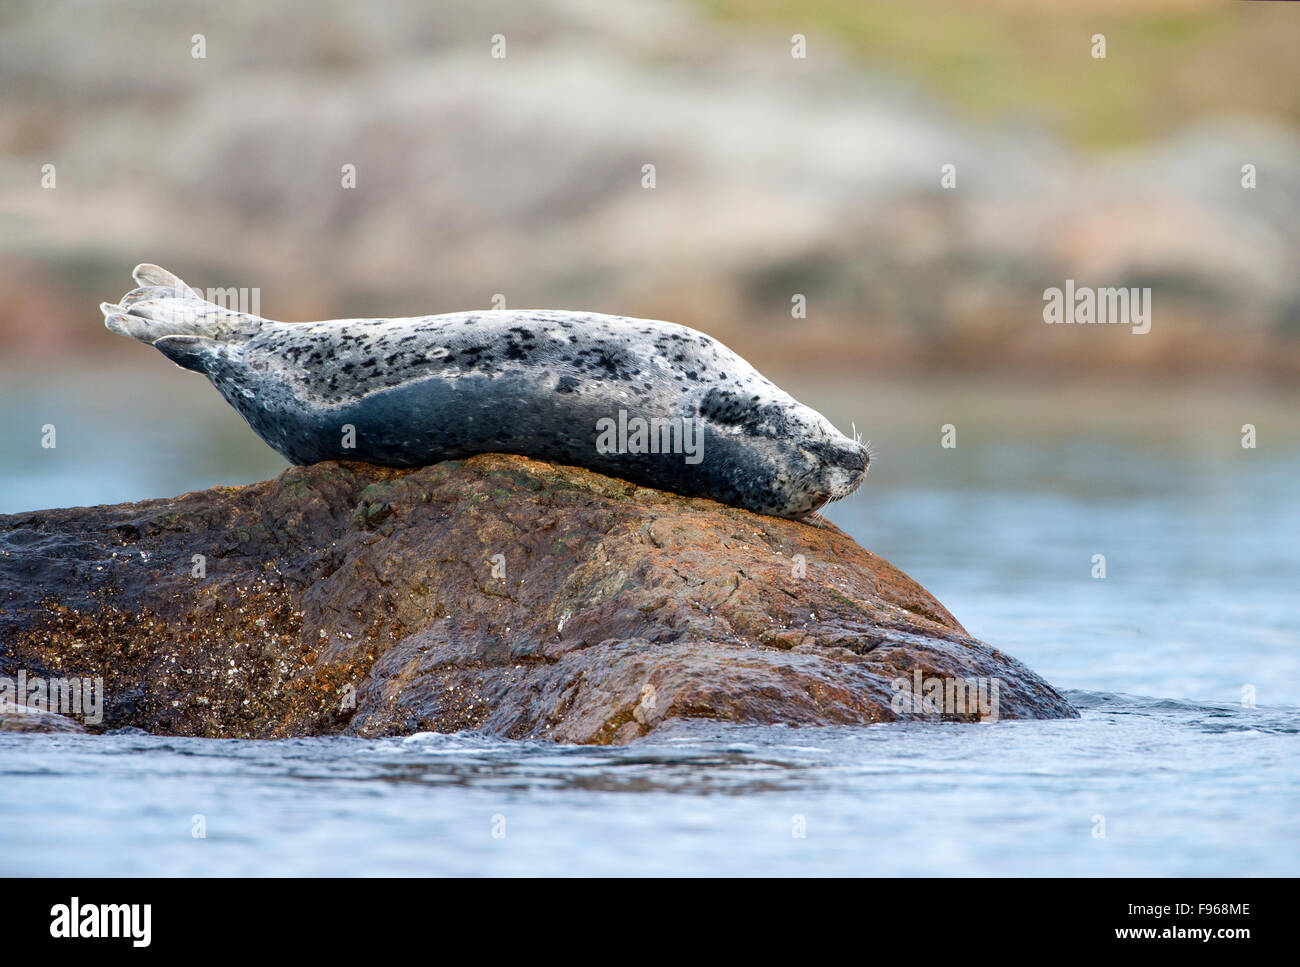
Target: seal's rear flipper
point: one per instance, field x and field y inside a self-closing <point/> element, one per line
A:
<point x="147" y="275"/>
<point x="164" y="305"/>
<point x="190" y="352"/>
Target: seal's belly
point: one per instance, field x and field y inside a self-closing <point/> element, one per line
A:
<point x="655" y="440"/>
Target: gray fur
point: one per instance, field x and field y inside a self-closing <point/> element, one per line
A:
<point x="533" y="382"/>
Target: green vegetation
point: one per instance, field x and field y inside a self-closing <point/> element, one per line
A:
<point x="1167" y="64"/>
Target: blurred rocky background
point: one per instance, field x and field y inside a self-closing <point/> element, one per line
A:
<point x="778" y="179"/>
<point x="775" y="176"/>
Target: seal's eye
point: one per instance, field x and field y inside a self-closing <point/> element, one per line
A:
<point x="844" y="458"/>
<point x="820" y="451"/>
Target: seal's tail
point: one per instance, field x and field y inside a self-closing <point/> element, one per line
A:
<point x="179" y="321"/>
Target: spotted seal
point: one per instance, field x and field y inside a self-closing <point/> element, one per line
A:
<point x="652" y="402"/>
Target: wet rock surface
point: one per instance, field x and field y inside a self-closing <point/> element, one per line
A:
<point x="23" y="718"/>
<point x="499" y="593"/>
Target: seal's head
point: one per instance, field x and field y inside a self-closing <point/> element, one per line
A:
<point x="838" y="466"/>
<point x="782" y="458"/>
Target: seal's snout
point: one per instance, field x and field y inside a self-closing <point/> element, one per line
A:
<point x="856" y="461"/>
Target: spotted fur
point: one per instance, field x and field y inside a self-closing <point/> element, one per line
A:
<point x="534" y="382"/>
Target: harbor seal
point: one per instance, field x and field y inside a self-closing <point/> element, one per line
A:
<point x="655" y="403"/>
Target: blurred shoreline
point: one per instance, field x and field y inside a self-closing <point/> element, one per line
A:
<point x="668" y="160"/>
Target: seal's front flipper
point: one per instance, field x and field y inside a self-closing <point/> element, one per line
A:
<point x="191" y="352"/>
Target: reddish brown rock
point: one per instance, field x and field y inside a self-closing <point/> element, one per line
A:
<point x="498" y="593"/>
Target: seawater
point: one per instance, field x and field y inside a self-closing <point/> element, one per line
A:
<point x="1184" y="661"/>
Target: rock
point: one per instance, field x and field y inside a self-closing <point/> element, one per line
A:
<point x="21" y="718"/>
<point x="498" y="593"/>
